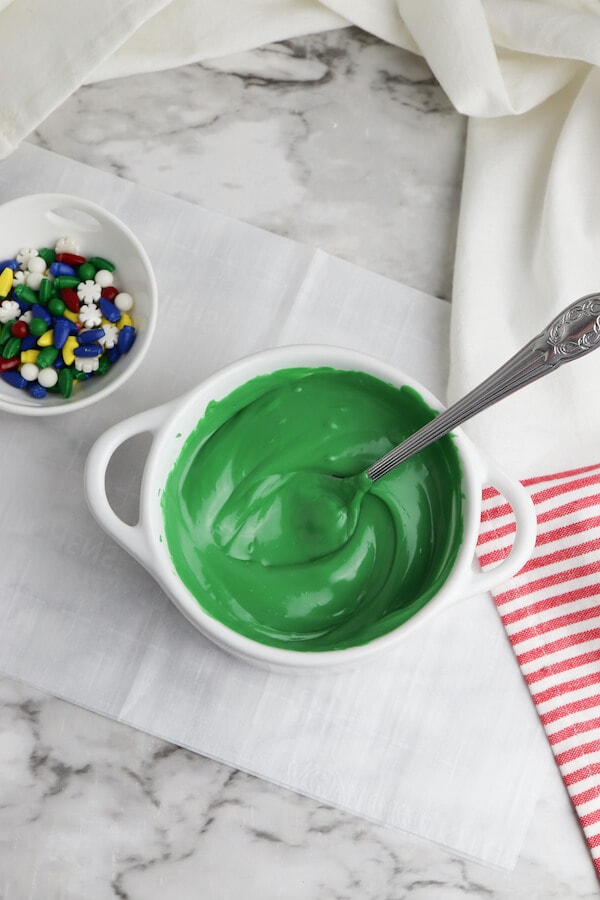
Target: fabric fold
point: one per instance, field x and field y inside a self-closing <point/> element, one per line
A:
<point x="527" y="247"/>
<point x="41" y="66"/>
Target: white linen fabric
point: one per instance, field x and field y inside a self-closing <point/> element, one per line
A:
<point x="523" y="71"/>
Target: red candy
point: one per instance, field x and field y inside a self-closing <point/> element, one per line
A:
<point x="19" y="329"/>
<point x="71" y="259"/>
<point x="110" y="292"/>
<point x="70" y="299"/>
<point x="11" y="363"/>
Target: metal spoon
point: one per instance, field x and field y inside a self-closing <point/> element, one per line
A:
<point x="573" y="333"/>
<point x="323" y="510"/>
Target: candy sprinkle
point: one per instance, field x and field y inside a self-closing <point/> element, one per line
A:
<point x="63" y="318"/>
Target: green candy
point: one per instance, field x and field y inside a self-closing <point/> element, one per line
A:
<point x="45" y="291"/>
<point x="66" y="281"/>
<point x="25" y="293"/>
<point x="38" y="326"/>
<point x="103" y="365"/>
<point x="12" y="347"/>
<point x="86" y="271"/>
<point x="56" y="306"/>
<point x="48" y="255"/>
<point x="100" y="263"/>
<point x="65" y="382"/>
<point x="6" y="333"/>
<point x="46" y="357"/>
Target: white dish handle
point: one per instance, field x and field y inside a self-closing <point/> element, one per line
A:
<point x="131" y="537"/>
<point x="525" y="535"/>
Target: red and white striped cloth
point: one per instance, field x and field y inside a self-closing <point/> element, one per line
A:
<point x="551" y="612"/>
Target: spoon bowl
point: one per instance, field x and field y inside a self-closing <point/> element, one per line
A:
<point x="320" y="510"/>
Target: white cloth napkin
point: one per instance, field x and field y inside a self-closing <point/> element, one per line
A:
<point x="524" y="71"/>
<point x="437" y="738"/>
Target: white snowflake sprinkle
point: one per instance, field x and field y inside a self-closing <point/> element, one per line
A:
<point x="25" y="254"/>
<point x="88" y="291"/>
<point x="86" y="363"/>
<point x="111" y="336"/>
<point x="9" y="309"/>
<point x="67" y="245"/>
<point x="90" y="316"/>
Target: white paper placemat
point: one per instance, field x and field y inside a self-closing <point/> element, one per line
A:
<point x="438" y="738"/>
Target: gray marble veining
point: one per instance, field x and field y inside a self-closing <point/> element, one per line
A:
<point x="344" y="143"/>
<point x="338" y="141"/>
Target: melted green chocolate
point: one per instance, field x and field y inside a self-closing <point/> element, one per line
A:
<point x="273" y="543"/>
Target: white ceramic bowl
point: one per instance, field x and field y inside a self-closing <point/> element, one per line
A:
<point x="170" y="424"/>
<point x="39" y="220"/>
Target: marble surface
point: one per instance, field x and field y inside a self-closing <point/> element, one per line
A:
<point x="342" y="142"/>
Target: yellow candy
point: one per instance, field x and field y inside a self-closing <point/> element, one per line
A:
<point x="71" y="316"/>
<point x="29" y="356"/>
<point x="68" y="350"/>
<point x="124" y="320"/>
<point x="6" y="281"/>
<point x="46" y="339"/>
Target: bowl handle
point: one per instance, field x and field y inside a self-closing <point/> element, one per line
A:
<point x="525" y="536"/>
<point x="131" y="537"/>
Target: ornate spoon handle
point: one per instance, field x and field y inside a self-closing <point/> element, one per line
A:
<point x="573" y="333"/>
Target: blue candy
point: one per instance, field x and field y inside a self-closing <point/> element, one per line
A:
<point x="40" y="312"/>
<point x="88" y="350"/>
<point x="15" y="379"/>
<point x="37" y="391"/>
<point x="109" y="310"/>
<point x="126" y="338"/>
<point x="9" y="264"/>
<point x="61" y="268"/>
<point x="89" y="337"/>
<point x="60" y="332"/>
<point x="29" y="342"/>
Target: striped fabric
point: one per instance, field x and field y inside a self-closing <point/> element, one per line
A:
<point x="551" y="612"/>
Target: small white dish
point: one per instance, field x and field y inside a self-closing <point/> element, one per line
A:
<point x="39" y="220"/>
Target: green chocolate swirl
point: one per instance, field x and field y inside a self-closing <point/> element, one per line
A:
<point x="271" y="542"/>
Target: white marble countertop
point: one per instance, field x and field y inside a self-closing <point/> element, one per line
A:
<point x="343" y="143"/>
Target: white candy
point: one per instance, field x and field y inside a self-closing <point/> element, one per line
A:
<point x="86" y="363"/>
<point x="19" y="277"/>
<point x="47" y="377"/>
<point x="67" y="245"/>
<point x="88" y="291"/>
<point x="124" y="301"/>
<point x="26" y="317"/>
<point x="110" y="338"/>
<point x="24" y="255"/>
<point x="104" y="278"/>
<point x="90" y="316"/>
<point x="33" y="280"/>
<point x="30" y="371"/>
<point x="36" y="264"/>
<point x="9" y="309"/>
